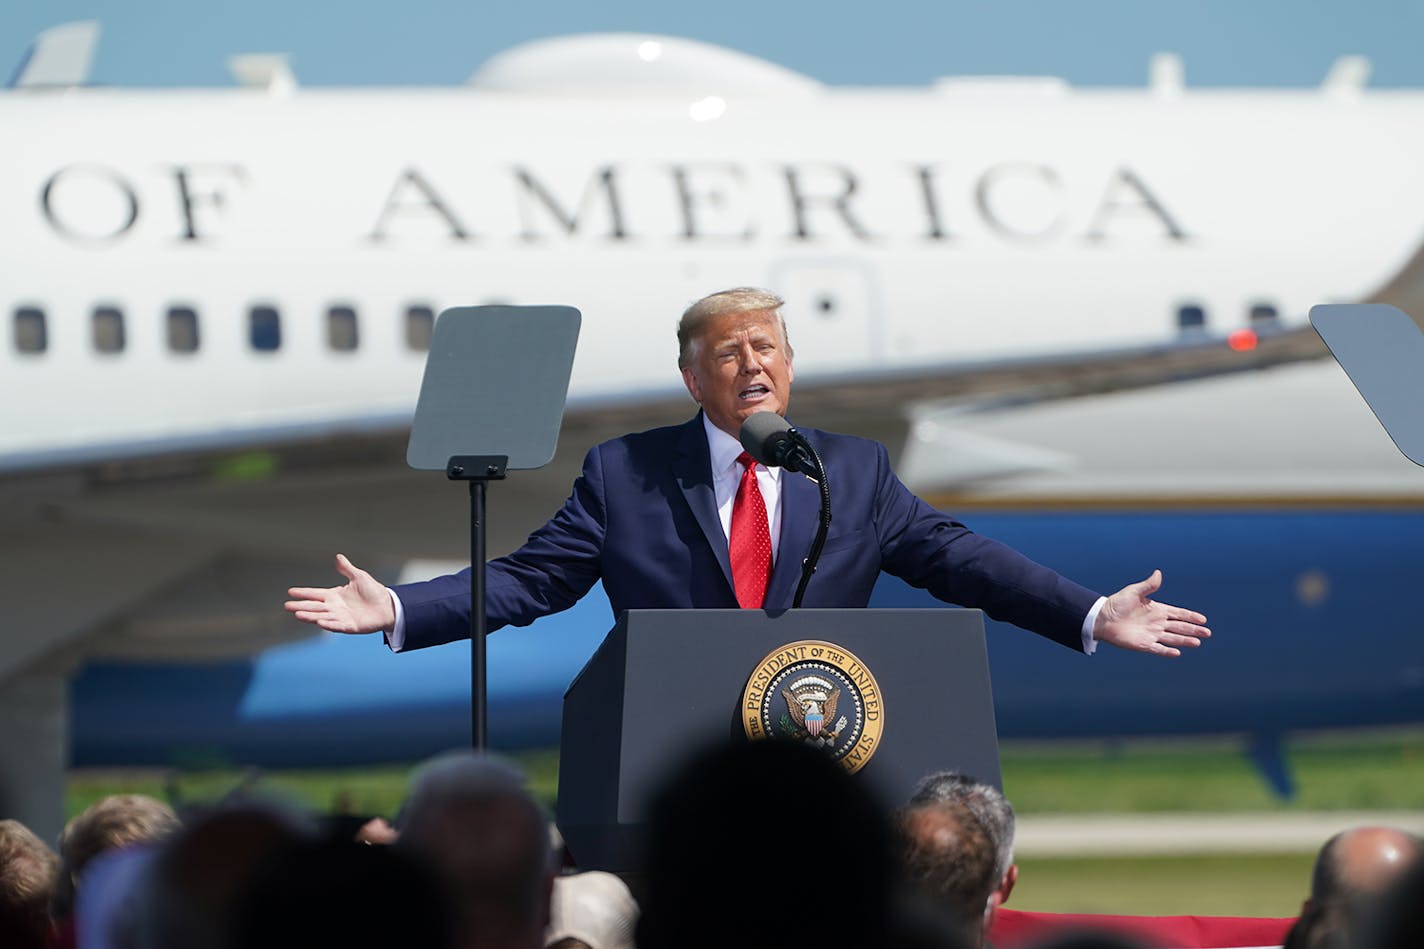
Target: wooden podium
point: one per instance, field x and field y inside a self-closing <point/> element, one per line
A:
<point x="667" y="682"/>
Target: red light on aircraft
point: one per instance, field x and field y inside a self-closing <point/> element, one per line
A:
<point x="1242" y="340"/>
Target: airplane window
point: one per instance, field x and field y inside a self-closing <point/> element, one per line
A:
<point x="264" y="326"/>
<point x="1264" y="313"/>
<point x="182" y="329"/>
<point x="29" y="326"/>
<point x="419" y="324"/>
<point x="341" y="331"/>
<point x="1191" y="317"/>
<point x="108" y="327"/>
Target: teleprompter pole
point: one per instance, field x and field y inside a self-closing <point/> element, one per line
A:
<point x="479" y="471"/>
<point x="466" y="426"/>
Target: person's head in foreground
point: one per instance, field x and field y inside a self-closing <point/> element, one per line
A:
<point x="765" y="843"/>
<point x="1352" y="871"/>
<point x="28" y="869"/>
<point x="472" y="819"/>
<point x="950" y="861"/>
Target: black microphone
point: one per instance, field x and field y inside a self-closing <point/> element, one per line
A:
<point x="769" y="439"/>
<point x="772" y="441"/>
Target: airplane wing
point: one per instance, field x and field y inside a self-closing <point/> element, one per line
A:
<point x="859" y="406"/>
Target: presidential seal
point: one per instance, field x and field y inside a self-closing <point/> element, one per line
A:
<point x="819" y="694"/>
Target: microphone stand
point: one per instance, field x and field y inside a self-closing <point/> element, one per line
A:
<point x="808" y="566"/>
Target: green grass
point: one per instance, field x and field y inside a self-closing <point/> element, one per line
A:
<point x="1237" y="885"/>
<point x="1378" y="771"/>
<point x="367" y="791"/>
<point x="1366" y="773"/>
<point x="340" y="791"/>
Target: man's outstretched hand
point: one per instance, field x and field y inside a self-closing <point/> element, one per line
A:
<point x="1131" y="619"/>
<point x="362" y="606"/>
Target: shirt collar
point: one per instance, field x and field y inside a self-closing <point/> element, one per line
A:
<point x="722" y="448"/>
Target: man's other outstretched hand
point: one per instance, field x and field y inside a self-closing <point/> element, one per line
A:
<point x="362" y="606"/>
<point x="1131" y="619"/>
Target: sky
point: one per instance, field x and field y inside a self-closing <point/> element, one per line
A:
<point x="844" y="42"/>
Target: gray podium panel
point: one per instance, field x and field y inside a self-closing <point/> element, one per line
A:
<point x="665" y="683"/>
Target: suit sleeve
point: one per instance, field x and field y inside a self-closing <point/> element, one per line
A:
<point x="557" y="565"/>
<point x="931" y="550"/>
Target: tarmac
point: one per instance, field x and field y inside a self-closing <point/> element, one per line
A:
<point x="1175" y="834"/>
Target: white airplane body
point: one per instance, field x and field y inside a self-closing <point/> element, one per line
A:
<point x="217" y="300"/>
<point x="912" y="213"/>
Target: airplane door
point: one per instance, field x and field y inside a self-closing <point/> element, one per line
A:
<point x="831" y="313"/>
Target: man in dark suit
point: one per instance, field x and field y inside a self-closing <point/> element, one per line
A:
<point x="681" y="517"/>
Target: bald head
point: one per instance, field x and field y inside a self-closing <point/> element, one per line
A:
<point x="986" y="802"/>
<point x="1361" y="863"/>
<point x="949" y="857"/>
<point x="1353" y="871"/>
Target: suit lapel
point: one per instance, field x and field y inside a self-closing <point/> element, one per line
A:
<point x="800" y="508"/>
<point x="692" y="467"/>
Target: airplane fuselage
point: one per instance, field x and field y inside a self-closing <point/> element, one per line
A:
<point x="302" y="239"/>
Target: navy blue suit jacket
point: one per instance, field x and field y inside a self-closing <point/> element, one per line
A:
<point x="643" y="519"/>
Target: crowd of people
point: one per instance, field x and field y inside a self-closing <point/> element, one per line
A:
<point x="760" y="844"/>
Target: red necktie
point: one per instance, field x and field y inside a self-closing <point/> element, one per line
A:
<point x="750" y="542"/>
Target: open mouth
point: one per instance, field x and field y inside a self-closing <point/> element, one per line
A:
<point x="754" y="392"/>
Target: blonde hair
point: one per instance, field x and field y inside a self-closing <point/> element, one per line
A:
<point x="737" y="300"/>
<point x="119" y="820"/>
<point x="28" y="872"/>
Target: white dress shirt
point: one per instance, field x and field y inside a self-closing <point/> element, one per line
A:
<point x="727" y="475"/>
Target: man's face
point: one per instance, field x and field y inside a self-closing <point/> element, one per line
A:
<point x="739" y="366"/>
